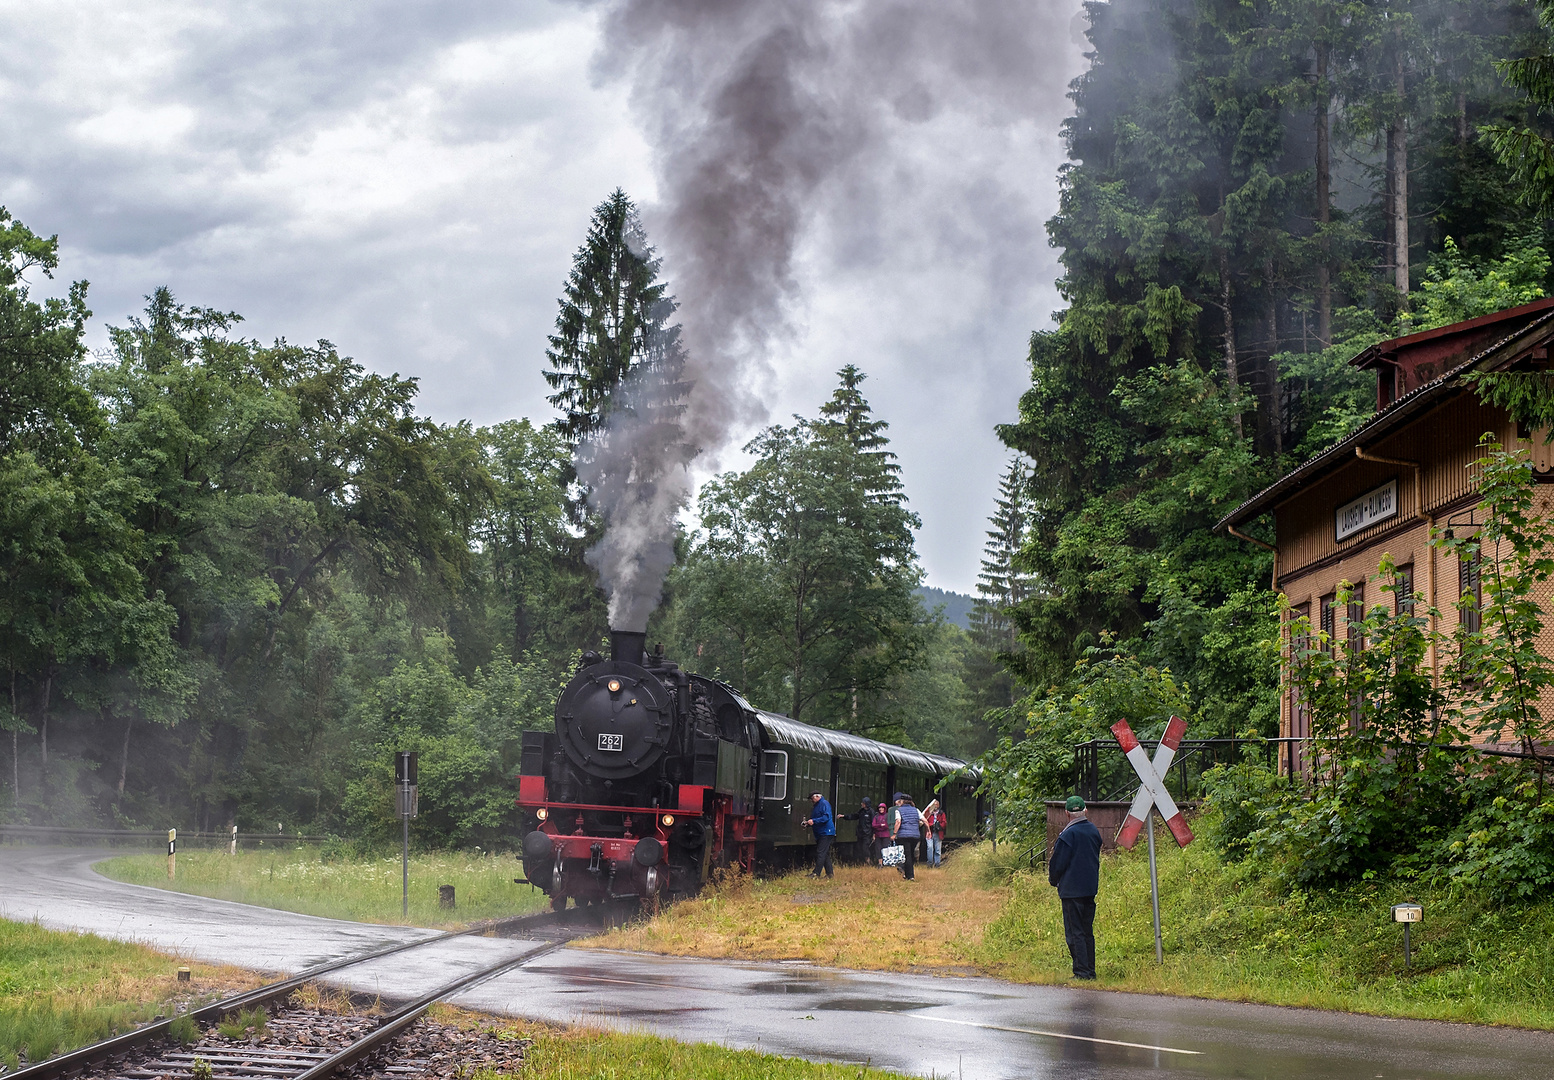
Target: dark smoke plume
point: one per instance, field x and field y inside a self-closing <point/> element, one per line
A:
<point x="639" y="484"/>
<point x="636" y="469"/>
<point x="768" y="117"/>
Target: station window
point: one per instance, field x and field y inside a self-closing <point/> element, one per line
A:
<point x="1470" y="587"/>
<point x="1403" y="590"/>
<point x="1300" y="641"/>
<point x="774" y="775"/>
<point x="1353" y="617"/>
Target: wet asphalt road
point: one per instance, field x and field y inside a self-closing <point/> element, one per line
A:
<point x="927" y="1025"/>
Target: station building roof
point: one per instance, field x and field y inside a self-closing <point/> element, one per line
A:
<point x="1490" y="343"/>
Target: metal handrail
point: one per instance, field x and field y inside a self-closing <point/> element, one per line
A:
<point x="1087" y="781"/>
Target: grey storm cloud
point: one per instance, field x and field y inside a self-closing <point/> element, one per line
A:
<point x="828" y="183"/>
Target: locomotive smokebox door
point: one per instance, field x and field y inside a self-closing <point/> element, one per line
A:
<point x="614" y="720"/>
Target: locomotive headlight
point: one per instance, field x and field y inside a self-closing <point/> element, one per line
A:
<point x="542" y="813"/>
<point x="668" y="819"/>
<point x="614" y="686"/>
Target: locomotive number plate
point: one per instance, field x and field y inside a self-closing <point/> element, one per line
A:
<point x="611" y="742"/>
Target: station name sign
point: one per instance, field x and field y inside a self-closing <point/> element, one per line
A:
<point x="1370" y="508"/>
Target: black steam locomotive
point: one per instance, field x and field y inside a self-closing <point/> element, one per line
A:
<point x="655" y="777"/>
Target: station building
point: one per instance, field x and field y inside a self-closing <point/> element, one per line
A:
<point x="1407" y="471"/>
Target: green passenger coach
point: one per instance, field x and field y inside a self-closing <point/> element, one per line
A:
<point x="797" y="759"/>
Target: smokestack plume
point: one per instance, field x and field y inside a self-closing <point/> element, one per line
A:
<point x="771" y="120"/>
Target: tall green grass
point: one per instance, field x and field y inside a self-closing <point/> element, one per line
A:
<point x="356" y="887"/>
<point x="1232" y="936"/>
<point x="42" y="1028"/>
<point x="59" y="991"/>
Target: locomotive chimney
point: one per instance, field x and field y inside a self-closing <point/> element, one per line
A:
<point x="628" y="645"/>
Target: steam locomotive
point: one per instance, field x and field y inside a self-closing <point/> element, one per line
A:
<point x="655" y="778"/>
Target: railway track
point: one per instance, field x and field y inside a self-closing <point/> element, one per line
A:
<point x="309" y="1046"/>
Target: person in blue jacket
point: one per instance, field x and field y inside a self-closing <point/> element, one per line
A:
<point x="1074" y="866"/>
<point x="824" y="824"/>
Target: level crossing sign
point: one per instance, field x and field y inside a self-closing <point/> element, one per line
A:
<point x="1152" y="788"/>
<point x="1152" y="796"/>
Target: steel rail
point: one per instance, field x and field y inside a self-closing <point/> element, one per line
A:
<point x="75" y="1061"/>
<point x="402" y="1018"/>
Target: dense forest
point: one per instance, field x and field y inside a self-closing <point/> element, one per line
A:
<point x="1256" y="192"/>
<point x="238" y="574"/>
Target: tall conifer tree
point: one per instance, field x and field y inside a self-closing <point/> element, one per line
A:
<point x="614" y="319"/>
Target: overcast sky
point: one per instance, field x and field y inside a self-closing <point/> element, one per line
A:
<point x="409" y="181"/>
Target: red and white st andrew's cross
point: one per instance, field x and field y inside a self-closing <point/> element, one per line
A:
<point x="1152" y="788"/>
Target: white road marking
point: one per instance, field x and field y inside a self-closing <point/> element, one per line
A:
<point x="1058" y="1035"/>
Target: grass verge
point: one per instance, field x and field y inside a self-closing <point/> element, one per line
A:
<point x="588" y="1053"/>
<point x="360" y="888"/>
<point x="59" y="991"/>
<point x="1227" y="935"/>
<point x="868" y="917"/>
<point x="1232" y="936"/>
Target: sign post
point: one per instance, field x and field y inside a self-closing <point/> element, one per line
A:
<point x="1408" y="915"/>
<point x="172" y="853"/>
<point x="405" y="803"/>
<point x="1154" y="887"/>
<point x="1152" y="794"/>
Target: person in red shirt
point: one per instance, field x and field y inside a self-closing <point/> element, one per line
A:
<point x="881" y="826"/>
<point x="934" y="824"/>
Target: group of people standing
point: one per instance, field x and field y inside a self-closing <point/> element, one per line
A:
<point x="879" y="828"/>
<point x="1073" y="866"/>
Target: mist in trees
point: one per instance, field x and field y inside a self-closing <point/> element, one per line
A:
<point x="1255" y="193"/>
<point x="239" y="575"/>
<point x="221" y="556"/>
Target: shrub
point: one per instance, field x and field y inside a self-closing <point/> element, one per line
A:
<point x="1239" y="799"/>
<point x="1036" y="762"/>
<point x="1504" y="846"/>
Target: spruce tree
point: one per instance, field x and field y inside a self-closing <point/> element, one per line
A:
<point x="1000" y="586"/>
<point x="614" y="320"/>
<point x="1526" y="147"/>
<point x="848" y="416"/>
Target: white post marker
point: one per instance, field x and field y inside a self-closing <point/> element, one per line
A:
<point x="1152" y="794"/>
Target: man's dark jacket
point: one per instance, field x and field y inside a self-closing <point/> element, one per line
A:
<point x="1074" y="865"/>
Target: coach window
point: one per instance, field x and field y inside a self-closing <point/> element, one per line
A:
<point x="774" y="775"/>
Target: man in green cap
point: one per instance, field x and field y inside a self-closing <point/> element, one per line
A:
<point x="1074" y="866"/>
